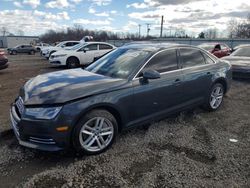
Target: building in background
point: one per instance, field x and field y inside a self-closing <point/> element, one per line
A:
<point x="12" y="41"/>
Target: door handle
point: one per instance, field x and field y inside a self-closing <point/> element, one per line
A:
<point x="177" y="81"/>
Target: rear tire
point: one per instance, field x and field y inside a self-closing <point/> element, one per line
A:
<point x="72" y="62"/>
<point x="95" y="132"/>
<point x="215" y="97"/>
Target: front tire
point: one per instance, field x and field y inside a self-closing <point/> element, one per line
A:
<point x="215" y="97"/>
<point x="72" y="62"/>
<point x="14" y="52"/>
<point x="95" y="132"/>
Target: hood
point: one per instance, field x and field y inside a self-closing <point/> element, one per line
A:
<point x="59" y="52"/>
<point x="63" y="86"/>
<point x="238" y="61"/>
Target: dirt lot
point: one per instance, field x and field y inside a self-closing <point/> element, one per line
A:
<point x="191" y="149"/>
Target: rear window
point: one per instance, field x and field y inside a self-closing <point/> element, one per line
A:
<point x="191" y="57"/>
<point x="105" y="47"/>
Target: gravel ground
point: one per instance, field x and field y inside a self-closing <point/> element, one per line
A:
<point x="191" y="149"/>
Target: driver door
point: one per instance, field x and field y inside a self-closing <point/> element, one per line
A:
<point x="153" y="98"/>
<point x="88" y="53"/>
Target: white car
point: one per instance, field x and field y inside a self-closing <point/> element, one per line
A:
<point x="82" y="54"/>
<point x="46" y="52"/>
<point x="41" y="45"/>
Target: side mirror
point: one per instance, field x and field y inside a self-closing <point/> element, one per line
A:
<point x="63" y="46"/>
<point x="151" y="74"/>
<point x="85" y="50"/>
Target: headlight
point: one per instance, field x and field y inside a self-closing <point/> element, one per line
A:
<point x="43" y="113"/>
<point x="60" y="55"/>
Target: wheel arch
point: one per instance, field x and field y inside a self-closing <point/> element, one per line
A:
<point x="223" y="82"/>
<point x="72" y="56"/>
<point x="108" y="107"/>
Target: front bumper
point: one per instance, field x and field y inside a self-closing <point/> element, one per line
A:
<point x="57" y="60"/>
<point x="38" y="134"/>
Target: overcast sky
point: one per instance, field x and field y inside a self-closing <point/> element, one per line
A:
<point x="35" y="17"/>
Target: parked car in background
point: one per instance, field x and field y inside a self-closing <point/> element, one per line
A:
<point x="217" y="49"/>
<point x="3" y="60"/>
<point x="24" y="48"/>
<point x="130" y="86"/>
<point x="240" y="61"/>
<point x="41" y="45"/>
<point x="81" y="54"/>
<point x="46" y="52"/>
<point x="240" y="46"/>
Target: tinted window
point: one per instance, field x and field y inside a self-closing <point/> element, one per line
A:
<point x="74" y="43"/>
<point x="104" y="47"/>
<point x="191" y="58"/>
<point x="163" y="62"/>
<point x="91" y="47"/>
<point x="68" y="44"/>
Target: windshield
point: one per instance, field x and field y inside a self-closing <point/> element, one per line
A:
<point x="245" y="51"/>
<point x="119" y="63"/>
<point x="60" y="44"/>
<point x="207" y="46"/>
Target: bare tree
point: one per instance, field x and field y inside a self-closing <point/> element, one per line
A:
<point x="211" y="33"/>
<point x="239" y="29"/>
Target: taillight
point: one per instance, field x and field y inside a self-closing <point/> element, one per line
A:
<point x="1" y="53"/>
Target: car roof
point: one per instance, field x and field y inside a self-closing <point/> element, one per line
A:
<point x="155" y="46"/>
<point x="95" y="42"/>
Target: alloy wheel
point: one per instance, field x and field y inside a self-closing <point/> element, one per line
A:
<point x="96" y="134"/>
<point x="216" y="97"/>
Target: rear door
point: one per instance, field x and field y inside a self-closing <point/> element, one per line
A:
<point x="156" y="97"/>
<point x="197" y="69"/>
<point x="104" y="48"/>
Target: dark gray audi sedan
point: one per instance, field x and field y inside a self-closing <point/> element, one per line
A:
<point x="130" y="86"/>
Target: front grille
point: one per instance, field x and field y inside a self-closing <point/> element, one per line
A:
<point x="42" y="140"/>
<point x="19" y="106"/>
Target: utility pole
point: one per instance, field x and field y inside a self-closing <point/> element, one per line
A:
<point x="148" y="29"/>
<point x="161" y="26"/>
<point x="139" y="30"/>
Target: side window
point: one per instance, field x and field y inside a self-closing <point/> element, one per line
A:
<point x="68" y="44"/>
<point x="191" y="57"/>
<point x="163" y="62"/>
<point x="74" y="43"/>
<point x="105" y="47"/>
<point x="207" y="58"/>
<point x="91" y="47"/>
